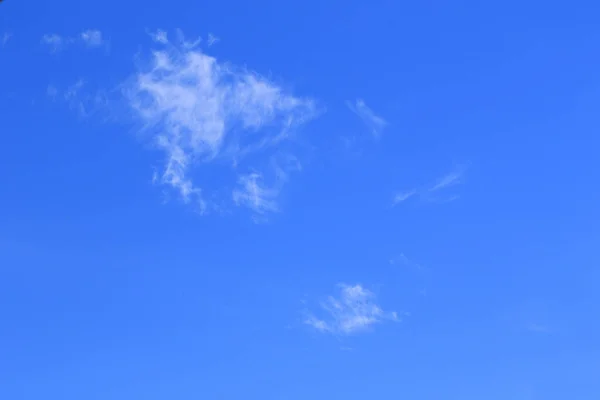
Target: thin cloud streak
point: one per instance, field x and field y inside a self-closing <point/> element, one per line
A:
<point x="427" y="193"/>
<point x="403" y="196"/>
<point x="453" y="178"/>
<point x="212" y="39"/>
<point x="374" y="123"/>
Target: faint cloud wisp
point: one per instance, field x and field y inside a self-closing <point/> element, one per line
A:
<point x="403" y="196"/>
<point x="89" y="38"/>
<point x="212" y="39"/>
<point x="253" y="194"/>
<point x="53" y="41"/>
<point x="82" y="101"/>
<point x="374" y="123"/>
<point x="5" y="38"/>
<point x="92" y="38"/>
<point x="431" y="192"/>
<point x="404" y="261"/>
<point x="451" y="179"/>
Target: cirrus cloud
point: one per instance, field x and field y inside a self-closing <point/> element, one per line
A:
<point x="374" y="122"/>
<point x="431" y="192"/>
<point x="353" y="310"/>
<point x="89" y="38"/>
<point x="200" y="111"/>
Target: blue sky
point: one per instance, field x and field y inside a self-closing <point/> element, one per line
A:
<point x="316" y="199"/>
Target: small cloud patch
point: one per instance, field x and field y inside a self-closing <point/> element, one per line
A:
<point x="354" y="309"/>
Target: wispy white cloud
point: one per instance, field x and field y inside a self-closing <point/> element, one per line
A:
<point x="212" y="39"/>
<point x="72" y="96"/>
<point x="353" y="310"/>
<point x="431" y="192"/>
<point x="200" y="111"/>
<point x="92" y="38"/>
<point x="403" y="196"/>
<point x="89" y="38"/>
<point x="187" y="44"/>
<point x="374" y="123"/>
<point x="255" y="195"/>
<point x="451" y="179"/>
<point x="160" y="36"/>
<point x="454" y="178"/>
<point x="72" y="91"/>
<point x="53" y="41"/>
<point x="52" y="91"/>
<point x="404" y="261"/>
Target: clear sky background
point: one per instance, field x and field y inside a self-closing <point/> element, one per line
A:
<point x="317" y="200"/>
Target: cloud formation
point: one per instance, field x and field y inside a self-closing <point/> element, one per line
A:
<point x="90" y="38"/>
<point x="354" y="310"/>
<point x="53" y="41"/>
<point x="252" y="193"/>
<point x="403" y="196"/>
<point x="212" y="39"/>
<point x="451" y="179"/>
<point x="431" y="192"/>
<point x="160" y="36"/>
<point x="374" y="123"/>
<point x="200" y="111"/>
